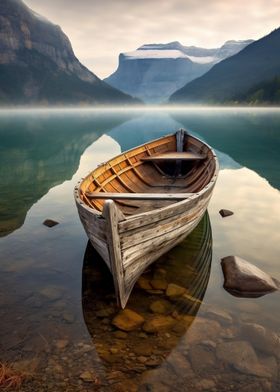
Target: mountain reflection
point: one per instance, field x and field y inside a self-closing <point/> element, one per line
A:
<point x="38" y="152"/>
<point x="187" y="266"/>
<point x="250" y="138"/>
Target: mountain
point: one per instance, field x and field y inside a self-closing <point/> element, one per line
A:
<point x="238" y="77"/>
<point x="155" y="71"/>
<point x="38" y="65"/>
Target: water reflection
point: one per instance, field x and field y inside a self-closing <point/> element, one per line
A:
<point x="251" y="138"/>
<point x="167" y="315"/>
<point x="39" y="151"/>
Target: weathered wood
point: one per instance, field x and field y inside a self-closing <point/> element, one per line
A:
<point x="175" y="156"/>
<point x="148" y="216"/>
<point x="138" y="196"/>
<point x="111" y="214"/>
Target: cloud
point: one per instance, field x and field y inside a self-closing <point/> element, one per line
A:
<point x="100" y="30"/>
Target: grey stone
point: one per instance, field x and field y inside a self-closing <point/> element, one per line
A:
<point x="244" y="279"/>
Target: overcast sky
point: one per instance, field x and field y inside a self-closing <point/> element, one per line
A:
<point x="100" y="29"/>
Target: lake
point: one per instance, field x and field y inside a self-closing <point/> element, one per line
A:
<point x="57" y="299"/>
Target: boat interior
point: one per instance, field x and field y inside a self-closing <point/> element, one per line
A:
<point x="151" y="176"/>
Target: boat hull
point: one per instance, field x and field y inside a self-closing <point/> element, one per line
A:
<point x="128" y="247"/>
<point x="129" y="237"/>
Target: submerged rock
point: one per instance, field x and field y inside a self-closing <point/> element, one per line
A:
<point x="224" y="213"/>
<point x="242" y="356"/>
<point x="244" y="279"/>
<point x="143" y="283"/>
<point x="219" y="315"/>
<point x="50" y="223"/>
<point x="262" y="338"/>
<point x="160" y="306"/>
<point x="173" y="290"/>
<point x="158" y="323"/>
<point x="128" y="320"/>
<point x="88" y="376"/>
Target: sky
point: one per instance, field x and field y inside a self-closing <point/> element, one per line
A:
<point x="100" y="30"/>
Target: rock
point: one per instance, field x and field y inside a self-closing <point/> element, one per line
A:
<point x="52" y="293"/>
<point x="202" y="329"/>
<point x="160" y="306"/>
<point x="144" y="283"/>
<point x="143" y="348"/>
<point x="106" y="312"/>
<point x="50" y="223"/>
<point x="158" y="323"/>
<point x="202" y="358"/>
<point x="224" y="213"/>
<point x="61" y="344"/>
<point x="159" y="273"/>
<point x="262" y="338"/>
<point x="219" y="315"/>
<point x="142" y="359"/>
<point x="153" y="291"/>
<point x="173" y="290"/>
<point x="88" y="376"/>
<point x="179" y="364"/>
<point x="159" y="284"/>
<point x="120" y="334"/>
<point x="68" y="317"/>
<point x="243" y="279"/>
<point x="205" y="385"/>
<point x="242" y="356"/>
<point x="128" y="320"/>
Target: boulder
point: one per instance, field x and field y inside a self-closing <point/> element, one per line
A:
<point x="243" y="279"/>
<point x="128" y="320"/>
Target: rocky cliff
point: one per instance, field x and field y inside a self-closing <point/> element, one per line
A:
<point x="155" y="71"/>
<point x="37" y="62"/>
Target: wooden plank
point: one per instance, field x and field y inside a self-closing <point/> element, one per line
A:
<point x="138" y="196"/>
<point x="162" y="213"/>
<point x="175" y="156"/>
<point x="112" y="216"/>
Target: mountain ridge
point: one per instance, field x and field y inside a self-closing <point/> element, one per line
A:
<point x="37" y="61"/>
<point x="154" y="71"/>
<point x="232" y="78"/>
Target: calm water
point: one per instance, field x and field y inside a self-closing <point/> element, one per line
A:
<point x="57" y="302"/>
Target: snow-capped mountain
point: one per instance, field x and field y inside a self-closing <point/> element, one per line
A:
<point x="155" y="71"/>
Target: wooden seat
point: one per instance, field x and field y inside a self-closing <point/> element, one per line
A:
<point x="175" y="156"/>
<point x="138" y="196"/>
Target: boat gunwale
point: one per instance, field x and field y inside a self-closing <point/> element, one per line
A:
<point x="98" y="214"/>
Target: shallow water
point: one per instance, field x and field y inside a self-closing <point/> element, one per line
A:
<point x="57" y="302"/>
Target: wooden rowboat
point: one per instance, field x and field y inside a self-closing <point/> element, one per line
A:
<point x="140" y="204"/>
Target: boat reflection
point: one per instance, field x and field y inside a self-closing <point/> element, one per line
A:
<point x="186" y="268"/>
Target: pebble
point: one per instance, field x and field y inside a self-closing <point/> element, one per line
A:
<point x="50" y="223"/>
<point x="173" y="290"/>
<point x="68" y="317"/>
<point x="224" y="213"/>
<point x="128" y="320"/>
